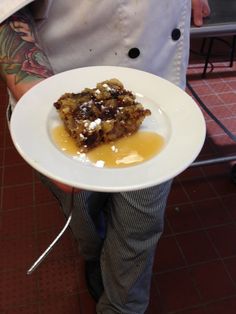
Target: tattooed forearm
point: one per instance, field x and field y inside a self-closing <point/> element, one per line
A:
<point x="20" y="54"/>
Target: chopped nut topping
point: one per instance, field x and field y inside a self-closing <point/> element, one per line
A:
<point x="101" y="114"/>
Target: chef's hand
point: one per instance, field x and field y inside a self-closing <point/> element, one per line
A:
<point x="64" y="187"/>
<point x="200" y="10"/>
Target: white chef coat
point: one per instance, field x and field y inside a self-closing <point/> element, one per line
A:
<point x="150" y="35"/>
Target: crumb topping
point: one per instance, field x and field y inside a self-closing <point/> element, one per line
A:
<point x="101" y="114"/>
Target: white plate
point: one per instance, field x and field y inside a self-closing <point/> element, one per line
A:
<point x="175" y="115"/>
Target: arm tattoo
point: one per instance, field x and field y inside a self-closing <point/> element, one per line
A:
<point x="20" y="53"/>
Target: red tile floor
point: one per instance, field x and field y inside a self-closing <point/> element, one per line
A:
<point x="195" y="269"/>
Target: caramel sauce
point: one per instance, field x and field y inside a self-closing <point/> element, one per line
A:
<point x="124" y="152"/>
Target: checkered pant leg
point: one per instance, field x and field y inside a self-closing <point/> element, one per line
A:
<point x="135" y="224"/>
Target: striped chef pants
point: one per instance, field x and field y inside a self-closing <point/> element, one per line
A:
<point x="134" y="224"/>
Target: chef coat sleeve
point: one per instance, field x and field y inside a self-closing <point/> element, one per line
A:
<point x="9" y="7"/>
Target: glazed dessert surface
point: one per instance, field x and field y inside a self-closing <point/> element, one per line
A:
<point x="101" y="114"/>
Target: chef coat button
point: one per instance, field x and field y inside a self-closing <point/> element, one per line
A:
<point x="134" y="53"/>
<point x="175" y="34"/>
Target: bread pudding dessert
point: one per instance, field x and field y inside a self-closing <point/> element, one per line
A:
<point x="101" y="114"/>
